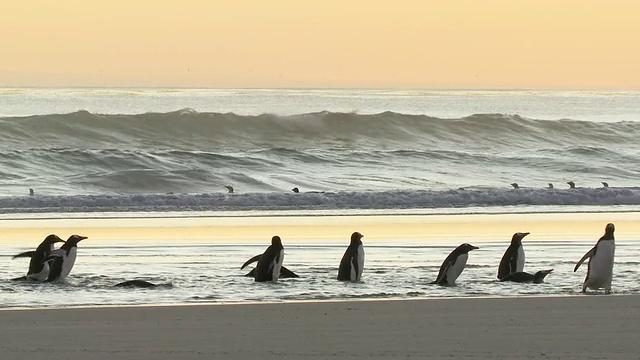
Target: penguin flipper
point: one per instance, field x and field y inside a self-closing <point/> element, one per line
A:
<point x="24" y="254"/>
<point x="286" y="273"/>
<point x="589" y="254"/>
<point x="251" y="273"/>
<point x="252" y="260"/>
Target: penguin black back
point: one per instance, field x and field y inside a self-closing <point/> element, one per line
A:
<point x="513" y="258"/>
<point x="352" y="262"/>
<point x="38" y="257"/>
<point x="453" y="265"/>
<point x="63" y="259"/>
<point x="270" y="261"/>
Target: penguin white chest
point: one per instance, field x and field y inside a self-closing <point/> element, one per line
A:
<point x="456" y="269"/>
<point x="42" y="275"/>
<point x="277" y="265"/>
<point x="520" y="261"/>
<point x="69" y="261"/>
<point x="357" y="269"/>
<point x="601" y="266"/>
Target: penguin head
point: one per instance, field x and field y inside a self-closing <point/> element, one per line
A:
<point x="517" y="237"/>
<point x="609" y="229"/>
<point x="540" y="275"/>
<point x="75" y="239"/>
<point x="465" y="248"/>
<point x="52" y="239"/>
<point x="276" y="241"/>
<point x="356" y="238"/>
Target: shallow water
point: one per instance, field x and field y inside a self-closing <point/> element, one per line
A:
<point x="201" y="272"/>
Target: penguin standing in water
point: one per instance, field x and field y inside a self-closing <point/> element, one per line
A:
<point x="601" y="256"/>
<point x="38" y="266"/>
<point x="269" y="267"/>
<point x="352" y="263"/>
<point x="63" y="259"/>
<point x="453" y="265"/>
<point x="524" y="277"/>
<point x="513" y="258"/>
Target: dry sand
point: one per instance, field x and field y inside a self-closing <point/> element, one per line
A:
<point x="582" y="327"/>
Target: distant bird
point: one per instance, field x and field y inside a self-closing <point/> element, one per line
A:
<point x="601" y="258"/>
<point x="352" y="263"/>
<point x="515" y="185"/>
<point x="295" y="190"/>
<point x="605" y="184"/>
<point x="230" y="188"/>
<point x="453" y="265"/>
<point x="572" y="185"/>
<point x="524" y="277"/>
<point x="550" y="186"/>
<point x="513" y="258"/>
<point x="269" y="267"/>
<point x="38" y="266"/>
<point x="31" y="192"/>
<point x="63" y="259"/>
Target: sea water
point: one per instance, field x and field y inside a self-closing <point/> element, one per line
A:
<point x="117" y="152"/>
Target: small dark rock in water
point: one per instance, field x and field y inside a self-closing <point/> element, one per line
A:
<point x="136" y="283"/>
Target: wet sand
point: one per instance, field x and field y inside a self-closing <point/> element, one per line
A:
<point x="580" y="327"/>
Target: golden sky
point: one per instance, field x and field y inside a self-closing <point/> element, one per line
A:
<point x="577" y="44"/>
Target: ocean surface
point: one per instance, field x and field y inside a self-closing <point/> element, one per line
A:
<point x="201" y="272"/>
<point x="176" y="149"/>
<point x="171" y="152"/>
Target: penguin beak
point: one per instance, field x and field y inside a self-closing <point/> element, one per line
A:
<point x="80" y="238"/>
<point x="474" y="247"/>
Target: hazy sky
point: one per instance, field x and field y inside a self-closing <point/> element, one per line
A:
<point x="591" y="44"/>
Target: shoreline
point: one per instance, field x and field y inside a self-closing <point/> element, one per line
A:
<point x="302" y="301"/>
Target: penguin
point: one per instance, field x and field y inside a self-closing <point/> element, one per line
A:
<point x="31" y="192"/>
<point x="352" y="263"/>
<point x="229" y="188"/>
<point x="453" y="265"/>
<point x="136" y="283"/>
<point x="513" y="258"/>
<point x="63" y="259"/>
<point x="601" y="257"/>
<point x="525" y="277"/>
<point x="269" y="263"/>
<point x="295" y="190"/>
<point x="550" y="186"/>
<point x="572" y="185"/>
<point x="38" y="266"/>
<point x="515" y="185"/>
<point x="605" y="184"/>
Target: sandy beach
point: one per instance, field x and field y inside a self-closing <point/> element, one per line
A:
<point x="583" y="327"/>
